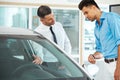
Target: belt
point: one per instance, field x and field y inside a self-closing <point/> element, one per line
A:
<point x="110" y="60"/>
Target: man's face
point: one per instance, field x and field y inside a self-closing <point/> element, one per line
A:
<point x="89" y="12"/>
<point x="48" y="20"/>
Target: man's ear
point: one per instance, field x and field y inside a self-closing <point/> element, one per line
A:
<point x="42" y="20"/>
<point x="93" y="6"/>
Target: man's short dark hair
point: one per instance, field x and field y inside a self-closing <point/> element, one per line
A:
<point x="86" y="3"/>
<point x="43" y="10"/>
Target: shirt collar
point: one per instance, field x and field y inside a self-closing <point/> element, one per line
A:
<point x="44" y="26"/>
<point x="101" y="18"/>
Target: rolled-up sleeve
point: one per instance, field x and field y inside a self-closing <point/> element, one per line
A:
<point x="115" y="27"/>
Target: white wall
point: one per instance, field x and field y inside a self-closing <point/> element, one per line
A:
<point x="69" y="2"/>
<point x="108" y="1"/>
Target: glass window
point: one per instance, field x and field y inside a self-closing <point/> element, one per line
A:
<point x="35" y="19"/>
<point x="50" y="54"/>
<point x="70" y="22"/>
<point x="14" y="17"/>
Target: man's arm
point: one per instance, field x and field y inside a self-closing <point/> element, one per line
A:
<point x="38" y="56"/>
<point x="67" y="45"/>
<point x="117" y="70"/>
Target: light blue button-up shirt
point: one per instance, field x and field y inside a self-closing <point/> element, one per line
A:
<point x="108" y="34"/>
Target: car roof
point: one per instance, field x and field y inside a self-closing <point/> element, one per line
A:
<point x="17" y="31"/>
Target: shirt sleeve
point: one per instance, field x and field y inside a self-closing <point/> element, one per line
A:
<point x="38" y="50"/>
<point x="98" y="45"/>
<point x="114" y="23"/>
<point x="67" y="44"/>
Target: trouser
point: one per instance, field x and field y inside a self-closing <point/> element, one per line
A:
<point x="106" y="70"/>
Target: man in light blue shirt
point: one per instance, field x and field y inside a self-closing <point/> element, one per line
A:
<point x="107" y="37"/>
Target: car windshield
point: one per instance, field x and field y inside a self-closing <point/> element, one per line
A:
<point x="16" y="56"/>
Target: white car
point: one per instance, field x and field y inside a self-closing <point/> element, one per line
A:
<point x="17" y="47"/>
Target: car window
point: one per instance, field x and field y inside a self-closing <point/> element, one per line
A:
<point x="15" y="47"/>
<point x="65" y="67"/>
<point x="17" y="56"/>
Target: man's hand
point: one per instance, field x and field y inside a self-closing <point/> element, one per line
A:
<point x="37" y="60"/>
<point x="92" y="57"/>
